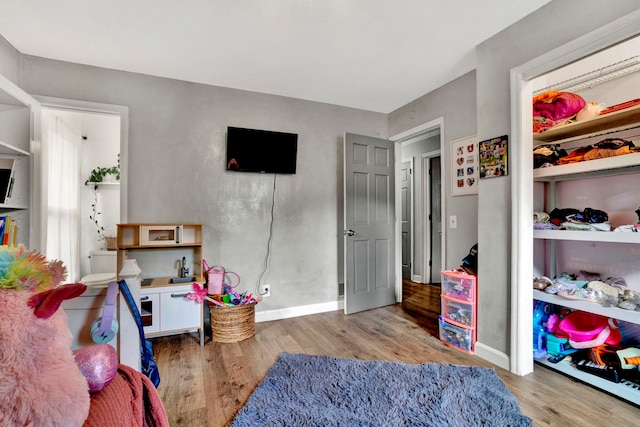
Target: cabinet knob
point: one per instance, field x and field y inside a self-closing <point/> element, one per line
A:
<point x="144" y="298"/>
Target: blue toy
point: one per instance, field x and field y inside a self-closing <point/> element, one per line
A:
<point x="541" y="312"/>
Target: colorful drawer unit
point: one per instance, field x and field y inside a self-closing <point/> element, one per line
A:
<point x="458" y="317"/>
<point x="457" y="312"/>
<point x="457" y="337"/>
<point x="459" y="285"/>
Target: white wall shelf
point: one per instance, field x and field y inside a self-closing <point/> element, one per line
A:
<point x="11" y="150"/>
<point x="103" y="184"/>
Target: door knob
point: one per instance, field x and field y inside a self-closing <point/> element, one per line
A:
<point x="350" y="233"/>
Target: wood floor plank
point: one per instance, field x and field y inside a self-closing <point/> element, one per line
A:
<point x="207" y="385"/>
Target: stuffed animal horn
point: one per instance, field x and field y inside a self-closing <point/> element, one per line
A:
<point x="40" y="383"/>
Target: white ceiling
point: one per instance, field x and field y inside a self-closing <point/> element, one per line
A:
<point x="376" y="55"/>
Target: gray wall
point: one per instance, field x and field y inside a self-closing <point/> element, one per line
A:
<point x="177" y="172"/>
<point x="456" y="102"/>
<point x="551" y="26"/>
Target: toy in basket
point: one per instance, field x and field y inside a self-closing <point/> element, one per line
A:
<point x="215" y="278"/>
<point x="232" y="314"/>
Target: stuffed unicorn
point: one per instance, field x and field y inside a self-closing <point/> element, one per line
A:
<point x="40" y="381"/>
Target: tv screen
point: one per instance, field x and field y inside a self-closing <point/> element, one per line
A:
<point x="253" y="150"/>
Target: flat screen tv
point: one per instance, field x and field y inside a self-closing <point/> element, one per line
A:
<point x="262" y="151"/>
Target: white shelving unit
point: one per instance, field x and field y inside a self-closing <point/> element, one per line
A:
<point x="17" y="111"/>
<point x="607" y="126"/>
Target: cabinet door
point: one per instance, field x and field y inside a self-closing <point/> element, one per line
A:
<point x="179" y="312"/>
<point x="150" y="312"/>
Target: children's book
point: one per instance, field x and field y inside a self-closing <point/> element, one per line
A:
<point x="7" y="230"/>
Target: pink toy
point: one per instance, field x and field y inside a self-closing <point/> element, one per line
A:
<point x="98" y="363"/>
<point x="587" y="330"/>
<point x="40" y="383"/>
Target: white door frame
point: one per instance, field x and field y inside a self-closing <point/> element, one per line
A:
<point x="426" y="208"/>
<point x="398" y="139"/>
<point x="95" y="107"/>
<point x="411" y="215"/>
<point x="521" y="336"/>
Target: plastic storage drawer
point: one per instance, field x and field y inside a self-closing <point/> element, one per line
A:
<point x="457" y="312"/>
<point x="455" y="336"/>
<point x="458" y="285"/>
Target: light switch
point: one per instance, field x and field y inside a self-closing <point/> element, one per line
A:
<point x="453" y="221"/>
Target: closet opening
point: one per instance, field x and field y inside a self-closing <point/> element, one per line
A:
<point x="601" y="68"/>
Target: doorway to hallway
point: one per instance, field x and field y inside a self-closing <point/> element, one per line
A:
<point x="421" y="222"/>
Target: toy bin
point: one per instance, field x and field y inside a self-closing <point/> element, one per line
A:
<point x="458" y="285"/>
<point x="456" y="336"/>
<point x="232" y="323"/>
<point x="457" y="312"/>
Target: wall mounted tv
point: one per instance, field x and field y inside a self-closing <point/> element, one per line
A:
<point x="263" y="151"/>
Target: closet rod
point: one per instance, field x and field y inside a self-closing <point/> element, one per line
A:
<point x="595" y="77"/>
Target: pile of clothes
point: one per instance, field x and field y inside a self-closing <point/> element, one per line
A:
<point x="552" y="154"/>
<point x="555" y="108"/>
<point x="572" y="219"/>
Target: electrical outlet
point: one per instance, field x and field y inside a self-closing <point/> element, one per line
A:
<point x="265" y="290"/>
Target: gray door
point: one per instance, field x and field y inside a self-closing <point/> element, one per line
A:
<point x="406" y="187"/>
<point x="435" y="214"/>
<point x="369" y="218"/>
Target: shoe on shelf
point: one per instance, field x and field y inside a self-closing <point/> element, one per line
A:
<point x="541" y="283"/>
<point x="597" y="285"/>
<point x="584" y="294"/>
<point x="556" y="287"/>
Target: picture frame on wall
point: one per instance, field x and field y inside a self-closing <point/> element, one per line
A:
<point x="493" y="157"/>
<point x="464" y="166"/>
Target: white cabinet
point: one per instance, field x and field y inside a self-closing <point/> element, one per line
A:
<point x="608" y="184"/>
<point x="166" y="310"/>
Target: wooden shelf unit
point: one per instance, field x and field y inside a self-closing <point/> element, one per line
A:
<point x="165" y="310"/>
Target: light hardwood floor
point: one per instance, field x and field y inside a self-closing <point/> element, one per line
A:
<point x="206" y="386"/>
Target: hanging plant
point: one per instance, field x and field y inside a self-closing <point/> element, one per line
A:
<point x="94" y="213"/>
<point x="98" y="174"/>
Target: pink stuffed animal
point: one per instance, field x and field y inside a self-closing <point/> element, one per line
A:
<point x="40" y="382"/>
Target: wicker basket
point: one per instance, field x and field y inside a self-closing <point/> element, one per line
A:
<point x="233" y="323"/>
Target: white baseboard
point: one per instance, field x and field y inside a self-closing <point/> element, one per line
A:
<point x="417" y="278"/>
<point x="491" y="355"/>
<point x="302" y="310"/>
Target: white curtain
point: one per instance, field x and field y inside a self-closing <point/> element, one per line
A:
<point x="61" y="192"/>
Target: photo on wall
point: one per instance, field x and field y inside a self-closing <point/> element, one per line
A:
<point x="464" y="167"/>
<point x="493" y="157"/>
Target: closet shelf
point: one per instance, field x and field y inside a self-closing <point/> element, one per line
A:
<point x="626" y="163"/>
<point x="596" y="77"/>
<point x="628" y="118"/>
<point x="627" y="390"/>
<point x="630" y="316"/>
<point x="588" y="236"/>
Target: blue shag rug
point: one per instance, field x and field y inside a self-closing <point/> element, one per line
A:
<point x="303" y="390"/>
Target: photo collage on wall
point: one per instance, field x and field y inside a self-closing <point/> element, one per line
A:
<point x="464" y="154"/>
